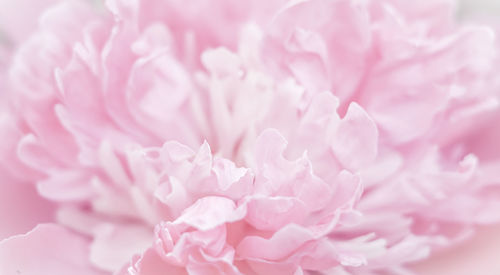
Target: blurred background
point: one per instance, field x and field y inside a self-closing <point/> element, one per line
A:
<point x="479" y="255"/>
<point x="475" y="7"/>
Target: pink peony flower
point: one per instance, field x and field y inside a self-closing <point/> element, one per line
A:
<point x="256" y="137"/>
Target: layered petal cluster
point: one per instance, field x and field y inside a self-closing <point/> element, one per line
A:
<point x="255" y="137"/>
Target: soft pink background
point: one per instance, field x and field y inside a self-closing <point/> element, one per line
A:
<point x="479" y="255"/>
<point x="18" y="17"/>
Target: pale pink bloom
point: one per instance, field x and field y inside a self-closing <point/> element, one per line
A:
<point x="255" y="137"/>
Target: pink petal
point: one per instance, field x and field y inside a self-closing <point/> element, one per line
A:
<point x="21" y="207"/>
<point x="355" y="142"/>
<point x="210" y="212"/>
<point x="47" y="249"/>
